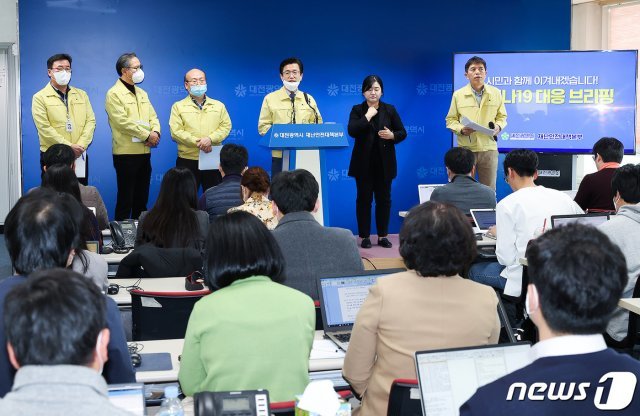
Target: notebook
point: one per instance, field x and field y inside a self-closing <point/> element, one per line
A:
<point x="484" y="218"/>
<point x="425" y="191"/>
<point x="594" y="219"/>
<point x="448" y="378"/>
<point x="340" y="300"/>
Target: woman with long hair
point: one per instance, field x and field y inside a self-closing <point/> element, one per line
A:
<point x="174" y="222"/>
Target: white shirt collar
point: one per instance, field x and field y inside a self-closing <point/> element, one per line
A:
<point x="568" y="345"/>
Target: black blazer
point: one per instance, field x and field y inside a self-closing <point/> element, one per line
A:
<point x="366" y="135"/>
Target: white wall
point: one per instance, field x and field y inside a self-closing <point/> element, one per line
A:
<point x="8" y="21"/>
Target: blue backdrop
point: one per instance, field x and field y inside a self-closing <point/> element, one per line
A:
<point x="240" y="44"/>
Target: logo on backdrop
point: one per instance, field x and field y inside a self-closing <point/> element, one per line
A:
<point x="344" y="90"/>
<point x="241" y="90"/>
<point x="332" y="90"/>
<point x="433" y="88"/>
<point x="335" y="174"/>
<point x="423" y="172"/>
<point x="255" y="90"/>
<point x="619" y="392"/>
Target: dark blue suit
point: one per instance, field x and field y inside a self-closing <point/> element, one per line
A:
<point x="117" y="370"/>
<point x="583" y="368"/>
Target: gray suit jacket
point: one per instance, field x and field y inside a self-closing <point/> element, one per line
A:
<point x="465" y="193"/>
<point x="311" y="250"/>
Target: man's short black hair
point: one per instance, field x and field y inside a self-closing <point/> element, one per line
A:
<point x="580" y="275"/>
<point x="123" y="61"/>
<point x="41" y="229"/>
<point x="295" y="191"/>
<point x="475" y="60"/>
<point x="290" y="61"/>
<point x="233" y="158"/>
<point x="59" y="154"/>
<point x="54" y="318"/>
<point x="459" y="160"/>
<point x="610" y="149"/>
<point x="626" y="180"/>
<point x="523" y="161"/>
<point x="58" y="57"/>
<point x="239" y="245"/>
<point x="436" y="239"/>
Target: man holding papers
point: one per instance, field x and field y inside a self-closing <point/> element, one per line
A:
<point x="477" y="115"/>
<point x="198" y="123"/>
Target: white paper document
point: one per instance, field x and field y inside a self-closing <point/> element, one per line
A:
<point x="477" y="127"/>
<point x="81" y="165"/>
<point x="211" y="160"/>
<point x="324" y="349"/>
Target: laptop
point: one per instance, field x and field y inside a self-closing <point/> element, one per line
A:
<point x="448" y="378"/>
<point x="129" y="397"/>
<point x="594" y="219"/>
<point x="483" y="218"/>
<point x="425" y="191"/>
<point x="340" y="300"/>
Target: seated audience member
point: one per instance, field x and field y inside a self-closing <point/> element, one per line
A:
<point x="310" y="250"/>
<point x="594" y="192"/>
<point x="252" y="332"/>
<point x="427" y="307"/>
<point x="255" y="194"/>
<point x="40" y="232"/>
<point x="61" y="154"/>
<point x="624" y="230"/>
<point x="520" y="217"/>
<point x="60" y="178"/>
<point x="174" y="222"/>
<point x="576" y="277"/>
<point x="463" y="191"/>
<point x="57" y="339"/>
<point x="217" y="200"/>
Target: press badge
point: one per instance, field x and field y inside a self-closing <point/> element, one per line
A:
<point x="68" y="126"/>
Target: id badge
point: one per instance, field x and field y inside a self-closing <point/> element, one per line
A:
<point x="68" y="126"/>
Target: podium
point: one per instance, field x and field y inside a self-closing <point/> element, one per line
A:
<point x="303" y="147"/>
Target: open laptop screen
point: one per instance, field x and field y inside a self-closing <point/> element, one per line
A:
<point x="129" y="397"/>
<point x="342" y="296"/>
<point x="594" y="219"/>
<point x="448" y="378"/>
<point x="484" y="218"/>
<point x="425" y="191"/>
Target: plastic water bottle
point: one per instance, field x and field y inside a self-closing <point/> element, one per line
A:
<point x="171" y="405"/>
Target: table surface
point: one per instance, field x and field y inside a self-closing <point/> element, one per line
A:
<point x="174" y="347"/>
<point x="630" y="304"/>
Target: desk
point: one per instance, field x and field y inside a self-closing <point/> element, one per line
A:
<point x="113" y="261"/>
<point x="630" y="304"/>
<point x="174" y="347"/>
<point x="155" y="284"/>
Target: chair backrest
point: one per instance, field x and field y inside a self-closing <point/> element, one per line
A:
<point x="162" y="315"/>
<point x="404" y="398"/>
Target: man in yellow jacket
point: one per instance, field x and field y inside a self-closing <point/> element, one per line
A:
<point x="197" y="123"/>
<point x="483" y="105"/>
<point x="135" y="129"/>
<point x="63" y="114"/>
<point x="288" y="105"/>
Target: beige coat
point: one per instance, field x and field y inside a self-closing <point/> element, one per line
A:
<point x="405" y="313"/>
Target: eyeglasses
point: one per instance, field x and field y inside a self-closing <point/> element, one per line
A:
<point x="200" y="81"/>
<point x="61" y="68"/>
<point x="294" y="73"/>
<point x="135" y="68"/>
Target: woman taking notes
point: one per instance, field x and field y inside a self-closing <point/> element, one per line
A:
<point x="252" y="332"/>
<point x="377" y="128"/>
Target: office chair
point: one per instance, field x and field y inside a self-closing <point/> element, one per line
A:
<point x="162" y="315"/>
<point x="288" y="408"/>
<point x="627" y="343"/>
<point x="401" y="401"/>
<point x="150" y="261"/>
<point x="319" y="323"/>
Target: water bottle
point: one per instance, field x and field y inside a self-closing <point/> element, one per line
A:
<point x="171" y="405"/>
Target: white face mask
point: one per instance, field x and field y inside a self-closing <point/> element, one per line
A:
<point x="291" y="86"/>
<point x="138" y="76"/>
<point x="98" y="345"/>
<point x="62" y="77"/>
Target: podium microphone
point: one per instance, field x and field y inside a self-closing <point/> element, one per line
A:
<point x="493" y="126"/>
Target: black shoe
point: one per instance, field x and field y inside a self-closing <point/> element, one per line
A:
<point x="366" y="243"/>
<point x="382" y="241"/>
